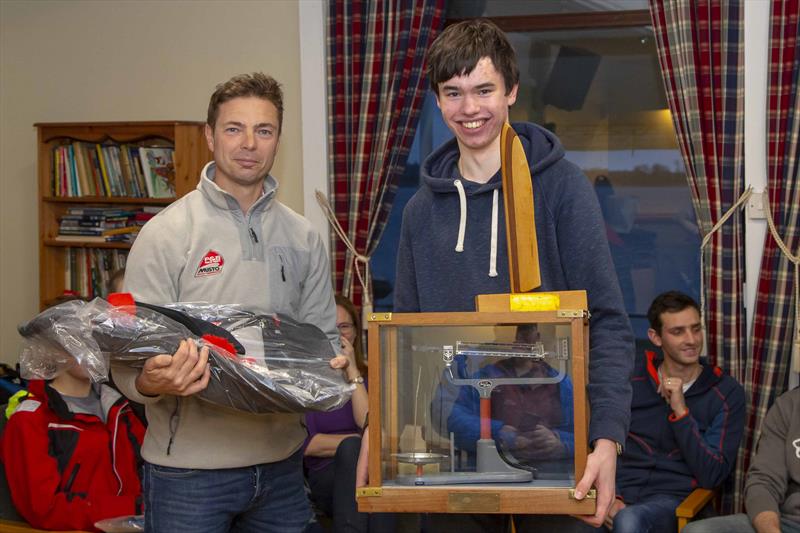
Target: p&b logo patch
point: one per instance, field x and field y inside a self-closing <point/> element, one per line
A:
<point x="210" y="265"/>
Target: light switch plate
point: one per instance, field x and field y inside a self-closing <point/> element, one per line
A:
<point x="755" y="206"/>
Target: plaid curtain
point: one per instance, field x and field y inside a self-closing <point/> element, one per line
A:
<point x="776" y="329"/>
<point x="376" y="83"/>
<point x="700" y="48"/>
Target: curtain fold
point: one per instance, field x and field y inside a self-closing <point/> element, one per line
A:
<point x="701" y="53"/>
<point x="775" y="328"/>
<point x="376" y="85"/>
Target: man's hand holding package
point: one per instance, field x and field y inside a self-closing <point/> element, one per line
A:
<point x="184" y="373"/>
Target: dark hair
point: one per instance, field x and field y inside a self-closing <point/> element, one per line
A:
<point x="458" y="49"/>
<point x="256" y="84"/>
<point x="355" y="316"/>
<point x="668" y="302"/>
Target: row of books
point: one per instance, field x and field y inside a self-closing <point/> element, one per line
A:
<point x="124" y="170"/>
<point x="87" y="270"/>
<point x="103" y="224"/>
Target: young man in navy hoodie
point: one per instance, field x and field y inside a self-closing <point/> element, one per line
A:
<point x="687" y="418"/>
<point x="452" y="244"/>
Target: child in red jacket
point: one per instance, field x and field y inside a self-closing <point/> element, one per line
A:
<point x="71" y="453"/>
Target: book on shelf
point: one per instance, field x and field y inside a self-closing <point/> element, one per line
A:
<point x="101" y="224"/>
<point x="114" y="170"/>
<point x="82" y="171"/>
<point x="89" y="238"/>
<point x="101" y="211"/>
<point x="99" y="186"/>
<point x="128" y="176"/>
<point x="159" y="171"/>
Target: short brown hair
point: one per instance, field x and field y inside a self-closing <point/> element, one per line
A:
<point x="256" y="84"/>
<point x="669" y="302"/>
<point x="458" y="49"/>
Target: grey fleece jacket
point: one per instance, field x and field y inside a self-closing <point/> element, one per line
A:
<point x="268" y="260"/>
<point x="773" y="482"/>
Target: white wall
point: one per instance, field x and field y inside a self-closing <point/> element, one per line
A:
<point x="756" y="62"/>
<point x="313" y="77"/>
<point x="123" y="60"/>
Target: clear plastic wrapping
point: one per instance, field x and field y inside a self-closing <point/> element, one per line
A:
<point x="259" y="363"/>
<point x="121" y="524"/>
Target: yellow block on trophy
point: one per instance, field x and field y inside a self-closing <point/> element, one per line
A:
<point x="535" y="301"/>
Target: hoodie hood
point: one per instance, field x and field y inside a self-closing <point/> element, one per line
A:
<point x="440" y="169"/>
<point x="440" y="173"/>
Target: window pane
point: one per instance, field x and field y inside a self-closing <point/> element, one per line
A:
<point x="600" y="91"/>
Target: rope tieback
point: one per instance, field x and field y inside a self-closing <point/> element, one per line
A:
<point x="706" y="239"/>
<point x="322" y="200"/>
<point x="795" y="260"/>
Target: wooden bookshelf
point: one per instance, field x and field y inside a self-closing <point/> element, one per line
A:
<point x="190" y="155"/>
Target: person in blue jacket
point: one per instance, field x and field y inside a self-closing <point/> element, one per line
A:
<point x="453" y="238"/>
<point x="531" y="423"/>
<point x="687" y="418"/>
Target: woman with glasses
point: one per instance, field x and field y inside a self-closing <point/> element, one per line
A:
<point x="334" y="438"/>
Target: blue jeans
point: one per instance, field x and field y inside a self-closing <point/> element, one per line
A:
<point x="262" y="498"/>
<point x="737" y="523"/>
<point x="654" y="515"/>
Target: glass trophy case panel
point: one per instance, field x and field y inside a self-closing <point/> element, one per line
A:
<point x="477" y="404"/>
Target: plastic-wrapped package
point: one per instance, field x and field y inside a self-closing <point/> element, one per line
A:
<point x="259" y="363"/>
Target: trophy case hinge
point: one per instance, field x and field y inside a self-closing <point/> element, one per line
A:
<point x="591" y="495"/>
<point x="572" y="313"/>
<point x="365" y="492"/>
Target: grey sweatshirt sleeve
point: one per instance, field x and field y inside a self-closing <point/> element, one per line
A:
<point x="154" y="264"/>
<point x="766" y="485"/>
<point x="317" y="305"/>
<point x="150" y="276"/>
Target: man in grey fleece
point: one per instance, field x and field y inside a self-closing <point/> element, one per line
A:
<point x="208" y="468"/>
<point x="772" y="489"/>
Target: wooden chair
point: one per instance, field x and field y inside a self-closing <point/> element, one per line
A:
<point x="693" y="504"/>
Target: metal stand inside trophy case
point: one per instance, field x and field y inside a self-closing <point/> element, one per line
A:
<point x="439" y="384"/>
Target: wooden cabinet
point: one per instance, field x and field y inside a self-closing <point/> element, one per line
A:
<point x="190" y="155"/>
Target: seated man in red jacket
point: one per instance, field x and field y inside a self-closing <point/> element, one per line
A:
<point x="71" y="453"/>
